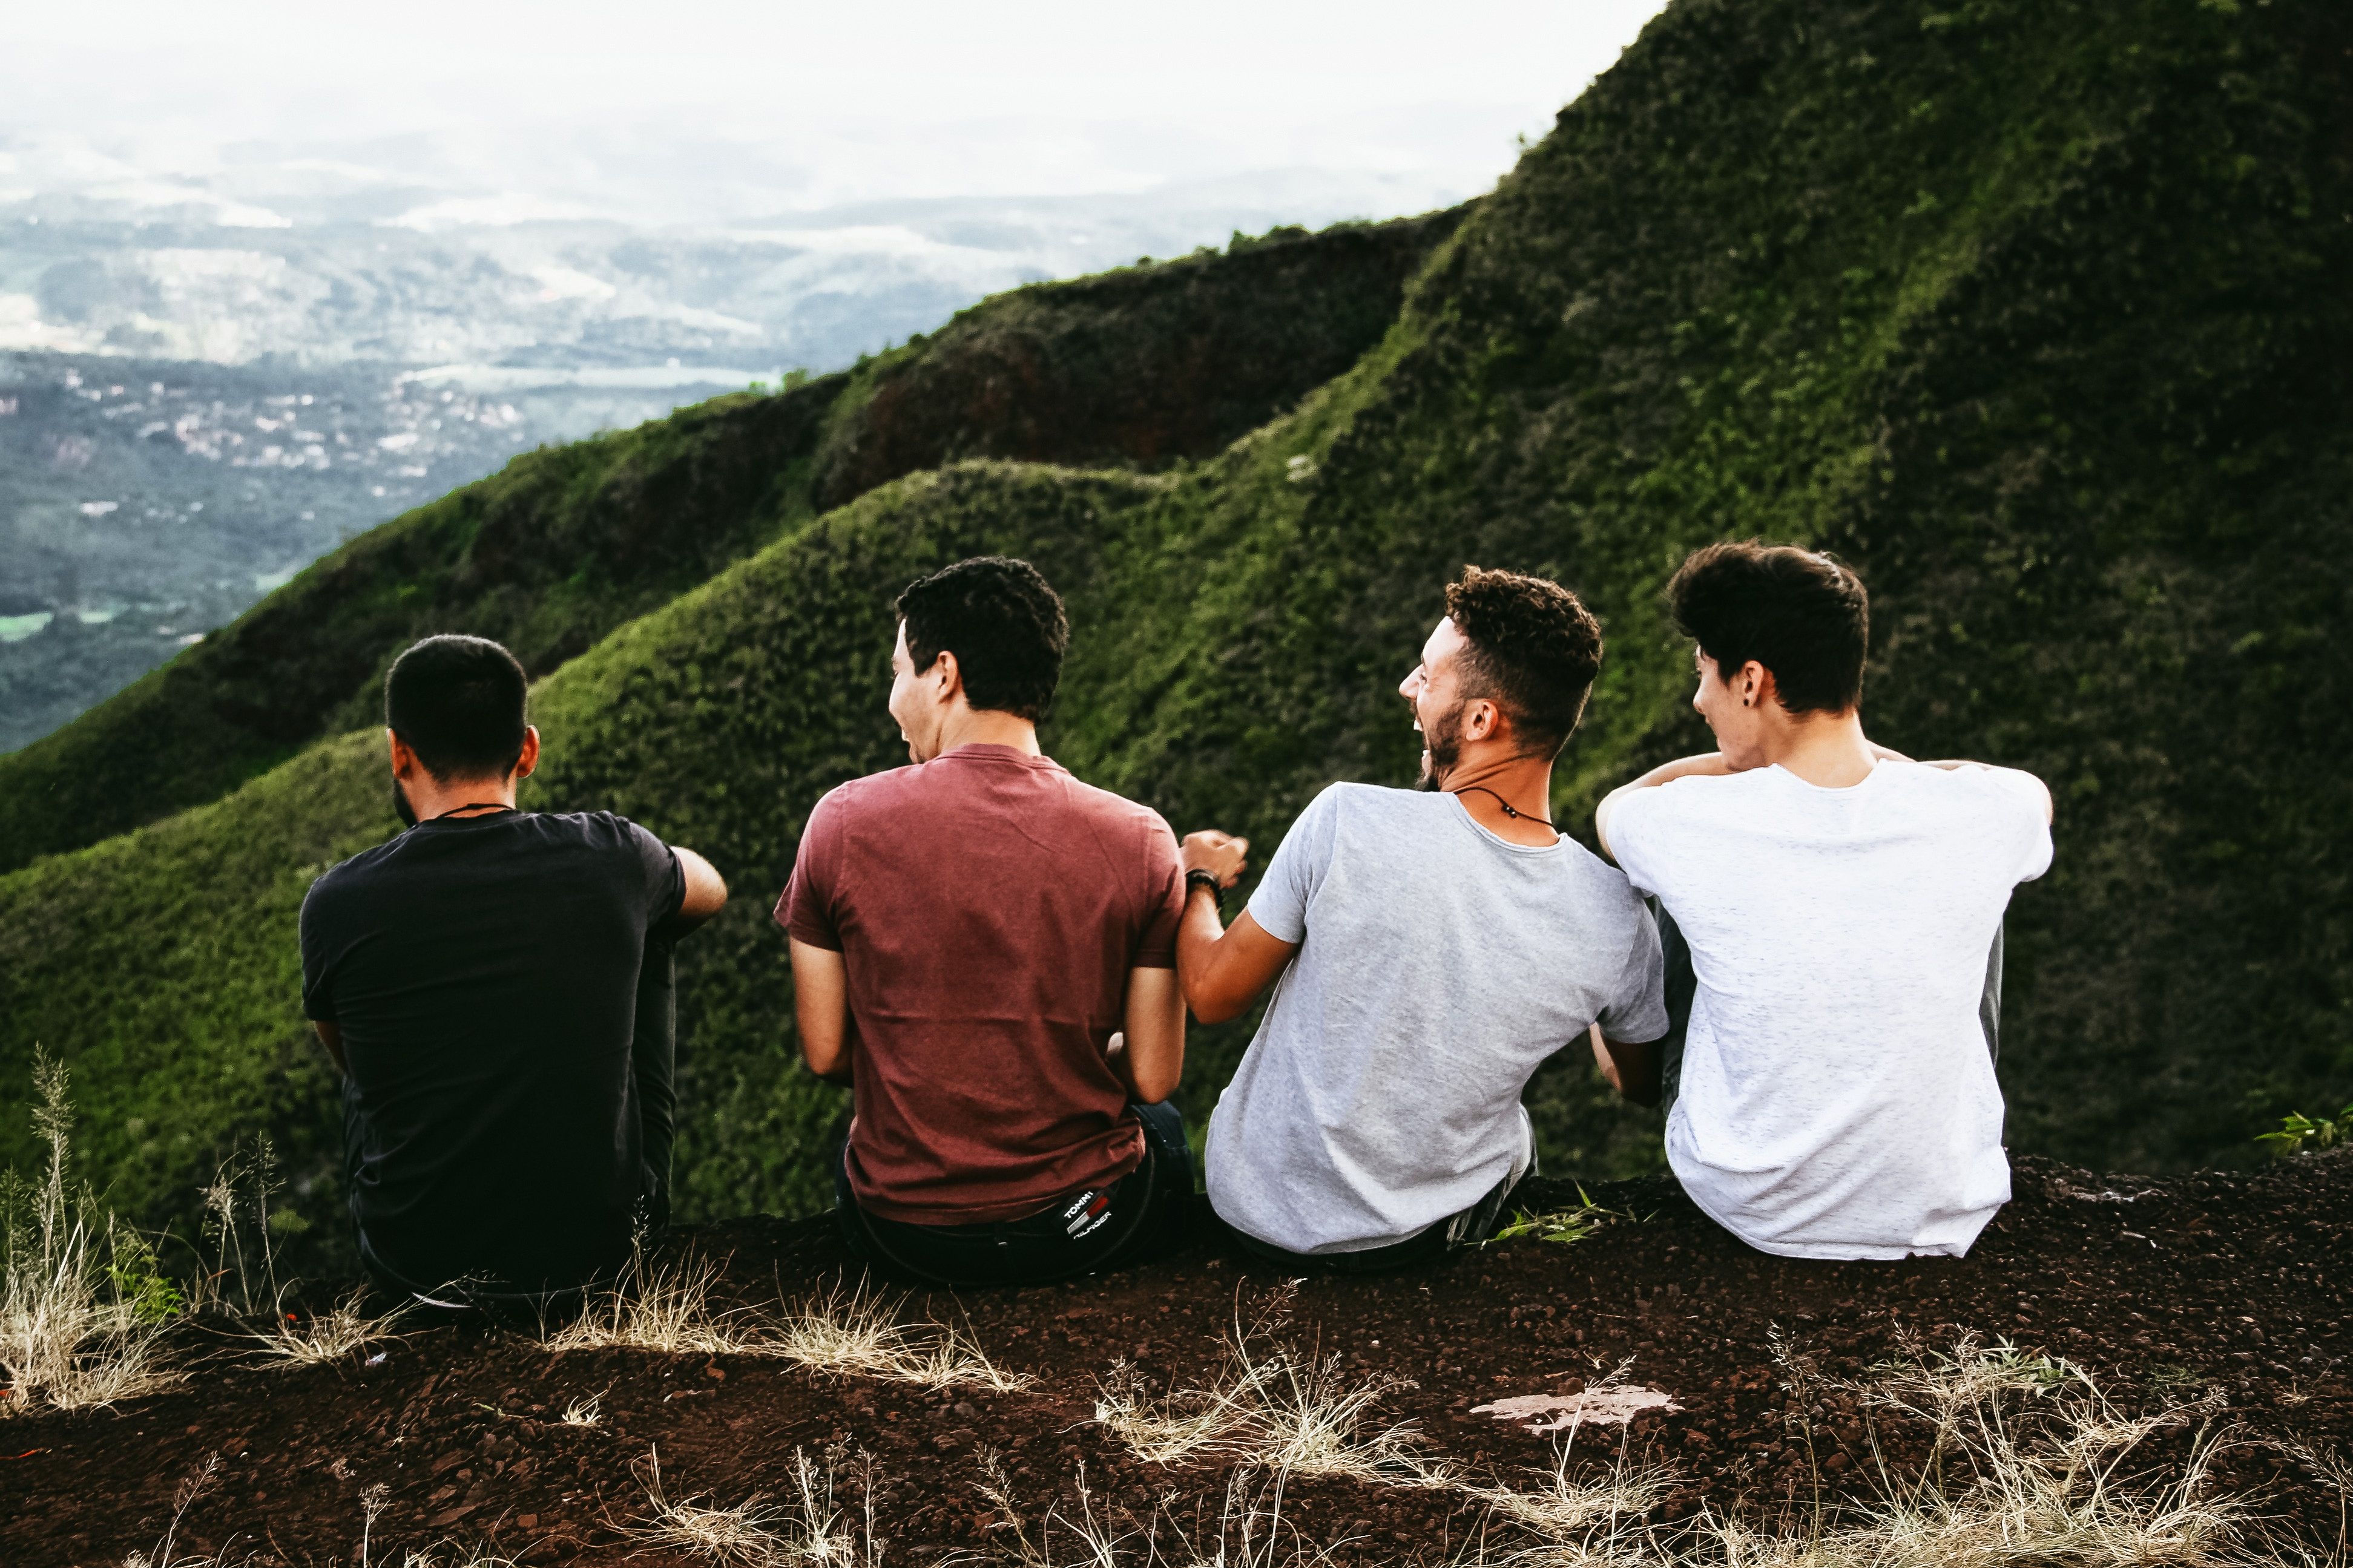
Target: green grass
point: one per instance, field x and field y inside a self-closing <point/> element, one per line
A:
<point x="2031" y="309"/>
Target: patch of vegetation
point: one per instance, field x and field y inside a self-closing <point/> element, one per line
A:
<point x="2026" y="308"/>
<point x="2296" y="1131"/>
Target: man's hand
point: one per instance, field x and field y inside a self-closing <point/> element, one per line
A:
<point x="1221" y="855"/>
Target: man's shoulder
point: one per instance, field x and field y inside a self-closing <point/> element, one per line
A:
<point x="1112" y="807"/>
<point x="1969" y="796"/>
<point x="348" y="879"/>
<point x="1354" y="802"/>
<point x="886" y="791"/>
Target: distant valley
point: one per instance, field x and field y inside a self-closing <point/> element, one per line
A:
<point x="144" y="503"/>
<point x="205" y="384"/>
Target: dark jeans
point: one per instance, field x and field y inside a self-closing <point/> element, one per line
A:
<point x="1683" y="984"/>
<point x="1468" y="1228"/>
<point x="653" y="1066"/>
<point x="1142" y="1215"/>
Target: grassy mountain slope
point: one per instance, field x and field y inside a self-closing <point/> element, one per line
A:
<point x="1145" y="365"/>
<point x="2029" y="309"/>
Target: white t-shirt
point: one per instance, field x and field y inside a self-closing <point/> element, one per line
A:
<point x="1838" y="1100"/>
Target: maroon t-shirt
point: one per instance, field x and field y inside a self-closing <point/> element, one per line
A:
<point x="988" y="906"/>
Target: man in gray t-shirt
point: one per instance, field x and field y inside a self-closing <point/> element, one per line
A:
<point x="1428" y="952"/>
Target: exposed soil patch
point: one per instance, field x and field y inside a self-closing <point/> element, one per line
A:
<point x="2221" y="1287"/>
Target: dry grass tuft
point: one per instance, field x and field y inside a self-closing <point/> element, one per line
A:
<point x="855" y="1333"/>
<point x="1250" y="1531"/>
<point x="448" y="1554"/>
<point x="850" y="1334"/>
<point x="340" y="1330"/>
<point x="588" y="1412"/>
<point x="662" y="1308"/>
<point x="808" y="1530"/>
<point x="1288" y="1413"/>
<point x="82" y="1310"/>
<point x="1582" y="1511"/>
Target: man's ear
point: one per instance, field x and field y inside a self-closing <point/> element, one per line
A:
<point x="944" y="671"/>
<point x="402" y="759"/>
<point x="1485" y="720"/>
<point x="1754" y="684"/>
<point x="529" y="758"/>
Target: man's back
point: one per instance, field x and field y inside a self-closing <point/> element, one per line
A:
<point x="483" y="975"/>
<point x="988" y="907"/>
<point x="1837" y="1098"/>
<point x="1438" y="966"/>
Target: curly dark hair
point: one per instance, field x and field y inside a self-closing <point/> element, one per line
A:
<point x="458" y="702"/>
<point x="1534" y="650"/>
<point x="1800" y="613"/>
<point x="1004" y="623"/>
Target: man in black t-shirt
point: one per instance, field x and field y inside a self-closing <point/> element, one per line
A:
<point x="494" y="984"/>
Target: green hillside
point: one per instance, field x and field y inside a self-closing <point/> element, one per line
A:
<point x="2033" y="310"/>
<point x="1143" y="366"/>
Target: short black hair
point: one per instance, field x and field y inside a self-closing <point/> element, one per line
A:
<point x="1534" y="650"/>
<point x="1003" y="622"/>
<point x="1800" y="613"/>
<point x="458" y="703"/>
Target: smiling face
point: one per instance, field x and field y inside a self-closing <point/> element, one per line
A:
<point x="1440" y="712"/>
<point x="918" y="702"/>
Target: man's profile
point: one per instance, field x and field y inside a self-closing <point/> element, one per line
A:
<point x="1428" y="950"/>
<point x="493" y="985"/>
<point x="1831" y="907"/>
<point x="984" y="948"/>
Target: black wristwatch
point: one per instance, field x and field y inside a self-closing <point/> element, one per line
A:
<point x="1204" y="879"/>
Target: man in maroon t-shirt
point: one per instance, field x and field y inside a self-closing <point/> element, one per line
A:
<point x="985" y="949"/>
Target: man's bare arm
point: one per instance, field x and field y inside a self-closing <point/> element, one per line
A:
<point x="1711" y="763"/>
<point x="1150" y="1054"/>
<point x="1225" y="969"/>
<point x="1222" y="971"/>
<point x="1633" y="1070"/>
<point x="706" y="889"/>
<point x="821" y="1008"/>
<point x="331" y="1036"/>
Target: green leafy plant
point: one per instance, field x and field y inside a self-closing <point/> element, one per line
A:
<point x="2298" y="1129"/>
<point x="137" y="1276"/>
<point x="1560" y="1225"/>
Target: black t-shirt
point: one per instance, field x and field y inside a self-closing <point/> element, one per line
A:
<point x="483" y="973"/>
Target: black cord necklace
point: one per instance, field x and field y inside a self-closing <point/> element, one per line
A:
<point x="1514" y="812"/>
<point x="502" y="805"/>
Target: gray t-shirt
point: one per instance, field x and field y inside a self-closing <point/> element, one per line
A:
<point x="1439" y="965"/>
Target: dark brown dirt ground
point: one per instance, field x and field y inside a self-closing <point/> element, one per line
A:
<point x="2225" y="1285"/>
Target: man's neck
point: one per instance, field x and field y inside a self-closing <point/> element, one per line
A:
<point x="428" y="797"/>
<point x="1826" y="750"/>
<point x="1485" y="784"/>
<point x="989" y="727"/>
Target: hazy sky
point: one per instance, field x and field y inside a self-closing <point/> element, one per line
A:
<point x="879" y="99"/>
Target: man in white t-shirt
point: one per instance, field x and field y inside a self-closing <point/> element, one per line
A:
<point x="1839" y="902"/>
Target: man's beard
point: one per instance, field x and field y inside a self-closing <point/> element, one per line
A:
<point x="1441" y="745"/>
<point x="400" y="805"/>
